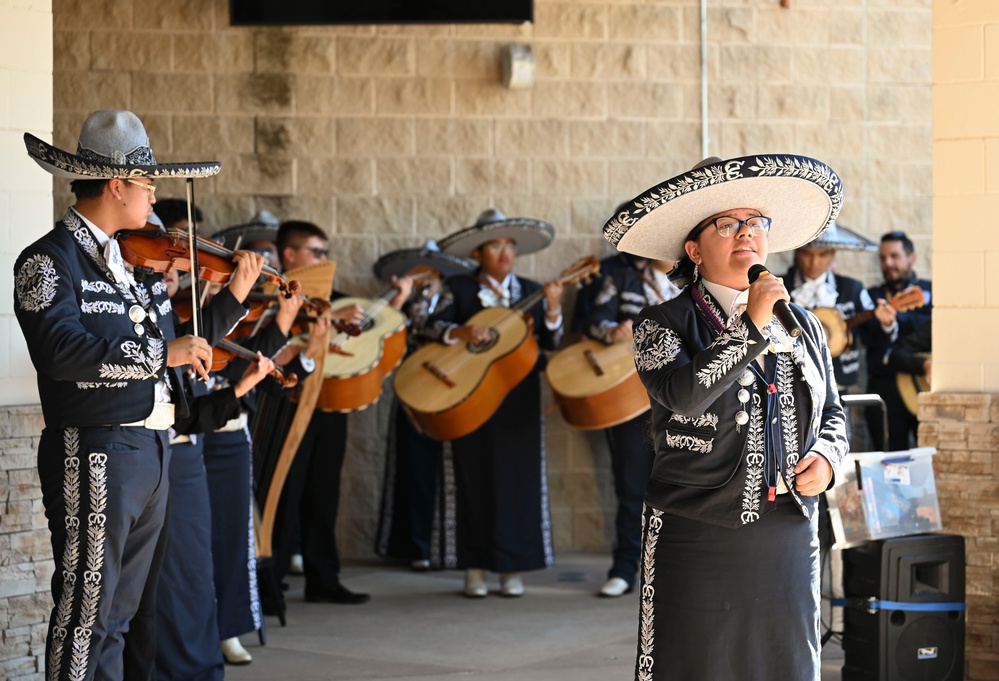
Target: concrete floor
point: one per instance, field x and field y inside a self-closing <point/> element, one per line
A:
<point x="418" y="627"/>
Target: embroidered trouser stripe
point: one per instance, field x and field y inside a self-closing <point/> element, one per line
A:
<point x="652" y="523"/>
<point x="70" y="556"/>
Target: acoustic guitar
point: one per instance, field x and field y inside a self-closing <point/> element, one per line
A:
<point x="449" y="391"/>
<point x="838" y="330"/>
<point x="910" y="385"/>
<point x="596" y="385"/>
<point x="357" y="364"/>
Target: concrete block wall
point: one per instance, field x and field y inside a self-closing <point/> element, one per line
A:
<point x="965" y="183"/>
<point x="965" y="430"/>
<point x="390" y="135"/>
<point x="961" y="416"/>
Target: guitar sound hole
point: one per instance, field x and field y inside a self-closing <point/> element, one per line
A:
<point x="367" y="324"/>
<point x="476" y="348"/>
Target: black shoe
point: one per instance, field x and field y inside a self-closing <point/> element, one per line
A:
<point x="338" y="594"/>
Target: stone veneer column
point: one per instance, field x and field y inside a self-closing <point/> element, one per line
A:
<point x="965" y="430"/>
<point x="26" y="564"/>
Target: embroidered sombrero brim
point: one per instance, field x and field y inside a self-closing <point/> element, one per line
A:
<point x="398" y="263"/>
<point x="530" y="236"/>
<point x="800" y="194"/>
<point x="842" y="239"/>
<point x="70" y="166"/>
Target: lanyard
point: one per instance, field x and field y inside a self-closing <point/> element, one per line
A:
<point x="773" y="448"/>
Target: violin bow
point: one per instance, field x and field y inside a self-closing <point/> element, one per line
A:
<point x="197" y="320"/>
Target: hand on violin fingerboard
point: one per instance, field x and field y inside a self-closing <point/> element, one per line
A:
<point x="249" y="265"/>
<point x="192" y="350"/>
<point x="255" y="373"/>
<point x="318" y="336"/>
<point x="287" y="313"/>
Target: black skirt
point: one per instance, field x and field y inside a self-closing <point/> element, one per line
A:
<point x="720" y="603"/>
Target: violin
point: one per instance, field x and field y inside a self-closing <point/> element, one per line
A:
<point x="315" y="306"/>
<point x="165" y="250"/>
<point x="226" y="351"/>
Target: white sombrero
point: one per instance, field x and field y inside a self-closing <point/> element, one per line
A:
<point x="800" y="194"/>
<point x="398" y="263"/>
<point x="840" y="238"/>
<point x="530" y="235"/>
<point x="113" y="144"/>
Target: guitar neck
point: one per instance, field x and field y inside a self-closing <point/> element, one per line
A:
<point x="524" y="305"/>
<point x="860" y="318"/>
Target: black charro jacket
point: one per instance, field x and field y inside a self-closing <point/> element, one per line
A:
<point x="93" y="367"/>
<point x="707" y="467"/>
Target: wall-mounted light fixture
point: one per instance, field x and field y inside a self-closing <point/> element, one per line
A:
<point x="517" y="66"/>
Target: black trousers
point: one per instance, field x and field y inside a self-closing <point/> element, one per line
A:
<point x="187" y="633"/>
<point x="105" y="492"/>
<point x="408" y="488"/>
<point x="310" y="501"/>
<point x="632" y="454"/>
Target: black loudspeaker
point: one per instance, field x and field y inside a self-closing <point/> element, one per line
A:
<point x="897" y="644"/>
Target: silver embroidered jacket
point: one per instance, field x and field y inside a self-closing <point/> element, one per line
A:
<point x="93" y="367"/>
<point x="707" y="466"/>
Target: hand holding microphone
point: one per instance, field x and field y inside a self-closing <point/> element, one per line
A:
<point x="768" y="298"/>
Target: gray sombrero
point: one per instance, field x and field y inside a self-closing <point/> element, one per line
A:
<point x="800" y="194"/>
<point x="398" y="263"/>
<point x="840" y="238"/>
<point x="113" y="144"/>
<point x="262" y="227"/>
<point x="530" y="235"/>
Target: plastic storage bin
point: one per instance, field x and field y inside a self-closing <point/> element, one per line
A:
<point x="884" y="494"/>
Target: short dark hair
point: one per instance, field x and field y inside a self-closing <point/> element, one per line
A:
<point x="899" y="235"/>
<point x="172" y="211"/>
<point x="295" y="232"/>
<point x="88" y="189"/>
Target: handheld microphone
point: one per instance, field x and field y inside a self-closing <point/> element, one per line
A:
<point x="782" y="311"/>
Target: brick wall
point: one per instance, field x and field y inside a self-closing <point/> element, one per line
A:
<point x="965" y="430"/>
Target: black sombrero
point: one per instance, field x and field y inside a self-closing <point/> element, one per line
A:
<point x="113" y="144"/>
<point x="262" y="227"/>
<point x="802" y="196"/>
<point x="840" y="238"/>
<point x="398" y="263"/>
<point x="530" y="235"/>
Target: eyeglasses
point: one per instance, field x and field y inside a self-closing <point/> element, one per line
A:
<point x="496" y="247"/>
<point x="318" y="253"/>
<point x="727" y="225"/>
<point x="151" y="188"/>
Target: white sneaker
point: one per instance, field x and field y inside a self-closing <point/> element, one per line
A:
<point x="420" y="565"/>
<point x="234" y="652"/>
<point x="614" y="587"/>
<point x="475" y="583"/>
<point x="511" y="585"/>
<point x="295" y="565"/>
